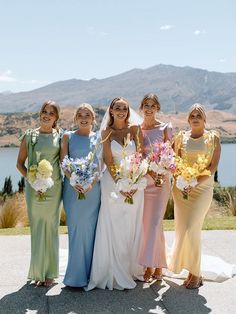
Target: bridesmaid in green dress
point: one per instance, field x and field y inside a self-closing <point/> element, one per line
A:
<point x="44" y="215"/>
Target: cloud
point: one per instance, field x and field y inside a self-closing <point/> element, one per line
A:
<point x="198" y="32"/>
<point x="103" y="34"/>
<point x="6" y="77"/>
<point x="166" y="27"/>
<point x="222" y="60"/>
<point x="92" y="31"/>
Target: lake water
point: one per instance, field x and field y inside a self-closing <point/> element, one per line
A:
<point x="226" y="169"/>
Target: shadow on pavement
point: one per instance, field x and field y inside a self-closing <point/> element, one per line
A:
<point x="138" y="300"/>
<point x="60" y="300"/>
<point x="179" y="300"/>
<point x="28" y="298"/>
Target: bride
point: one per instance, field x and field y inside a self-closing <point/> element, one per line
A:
<point x="117" y="239"/>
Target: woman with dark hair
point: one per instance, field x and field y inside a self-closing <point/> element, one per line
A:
<point x="190" y="211"/>
<point x="115" y="258"/>
<point x="44" y="215"/>
<point x="152" y="251"/>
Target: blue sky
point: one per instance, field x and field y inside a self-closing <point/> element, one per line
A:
<point x="50" y="40"/>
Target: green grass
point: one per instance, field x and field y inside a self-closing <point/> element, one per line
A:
<point x="25" y="231"/>
<point x="222" y="223"/>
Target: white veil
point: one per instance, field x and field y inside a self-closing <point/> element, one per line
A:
<point x="134" y="119"/>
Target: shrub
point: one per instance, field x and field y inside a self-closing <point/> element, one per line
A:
<point x="169" y="214"/>
<point x="231" y="192"/>
<point x="63" y="217"/>
<point x="13" y="212"/>
<point x="220" y="195"/>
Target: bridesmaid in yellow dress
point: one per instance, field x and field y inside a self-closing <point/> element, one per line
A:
<point x="44" y="215"/>
<point x="190" y="212"/>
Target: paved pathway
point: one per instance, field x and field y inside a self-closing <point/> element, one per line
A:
<point x="17" y="296"/>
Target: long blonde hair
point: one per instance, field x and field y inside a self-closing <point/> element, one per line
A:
<point x="85" y="106"/>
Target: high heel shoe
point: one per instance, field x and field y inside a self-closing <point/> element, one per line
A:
<point x="187" y="279"/>
<point x="147" y="277"/>
<point x="195" y="284"/>
<point x="157" y="277"/>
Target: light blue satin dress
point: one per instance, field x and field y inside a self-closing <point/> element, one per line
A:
<point x="81" y="216"/>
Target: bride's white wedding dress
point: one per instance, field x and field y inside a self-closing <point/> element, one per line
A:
<point x="118" y="233"/>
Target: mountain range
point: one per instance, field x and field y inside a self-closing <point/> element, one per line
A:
<point x="177" y="88"/>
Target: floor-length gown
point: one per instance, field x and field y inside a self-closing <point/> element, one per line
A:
<point x="152" y="251"/>
<point x="115" y="259"/>
<point x="44" y="215"/>
<point x="190" y="213"/>
<point x="81" y="217"/>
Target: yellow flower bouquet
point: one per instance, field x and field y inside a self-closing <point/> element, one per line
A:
<point x="186" y="175"/>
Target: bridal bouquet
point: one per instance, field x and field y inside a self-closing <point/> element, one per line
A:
<point x="186" y="175"/>
<point x="130" y="174"/>
<point x="83" y="171"/>
<point x="161" y="160"/>
<point x="39" y="177"/>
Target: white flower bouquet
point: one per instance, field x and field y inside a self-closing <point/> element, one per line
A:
<point x="40" y="178"/>
<point x="130" y="174"/>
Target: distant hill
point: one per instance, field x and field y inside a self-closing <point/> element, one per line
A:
<point x="12" y="125"/>
<point x="177" y="88"/>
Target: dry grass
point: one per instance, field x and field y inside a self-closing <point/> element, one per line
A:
<point x="231" y="192"/>
<point x="13" y="212"/>
<point x="63" y="217"/>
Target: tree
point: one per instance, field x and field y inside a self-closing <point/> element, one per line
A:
<point x="21" y="185"/>
<point x="216" y="177"/>
<point x="7" y="188"/>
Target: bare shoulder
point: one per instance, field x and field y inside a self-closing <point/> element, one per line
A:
<point x="135" y="128"/>
<point x="66" y="136"/>
<point x="106" y="133"/>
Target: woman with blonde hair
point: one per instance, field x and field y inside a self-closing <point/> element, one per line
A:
<point x="44" y="215"/>
<point x="190" y="211"/>
<point x="81" y="215"/>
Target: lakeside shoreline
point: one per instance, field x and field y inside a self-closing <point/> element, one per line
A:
<point x="224" y="140"/>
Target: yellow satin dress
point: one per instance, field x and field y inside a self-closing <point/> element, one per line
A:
<point x="190" y="213"/>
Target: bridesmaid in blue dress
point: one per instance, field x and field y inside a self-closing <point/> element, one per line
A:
<point x="81" y="215"/>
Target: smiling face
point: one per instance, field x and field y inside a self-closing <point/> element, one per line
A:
<point x="120" y="110"/>
<point x="149" y="108"/>
<point x="84" y="118"/>
<point x="48" y="116"/>
<point x="196" y="119"/>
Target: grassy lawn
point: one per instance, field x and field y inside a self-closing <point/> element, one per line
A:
<point x="222" y="223"/>
<point x="25" y="231"/>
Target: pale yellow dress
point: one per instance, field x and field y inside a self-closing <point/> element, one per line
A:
<point x="190" y="213"/>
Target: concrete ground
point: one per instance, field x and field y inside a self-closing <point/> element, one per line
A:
<point x="169" y="296"/>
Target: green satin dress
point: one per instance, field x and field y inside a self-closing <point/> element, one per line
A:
<point x="44" y="215"/>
